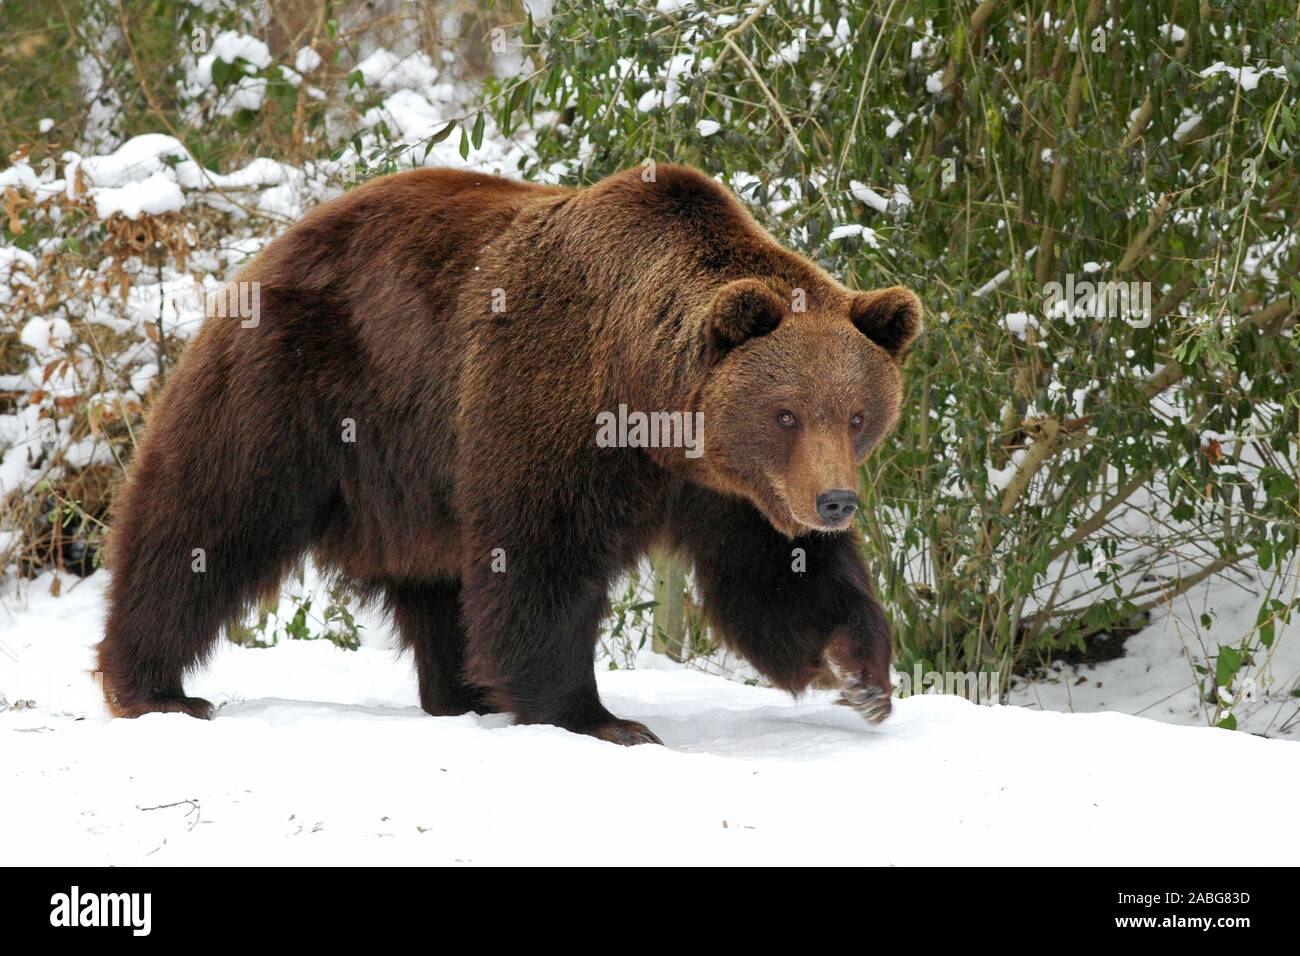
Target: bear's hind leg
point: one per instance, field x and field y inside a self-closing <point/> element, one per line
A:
<point x="183" y="569"/>
<point x="427" y="614"/>
<point x="200" y="532"/>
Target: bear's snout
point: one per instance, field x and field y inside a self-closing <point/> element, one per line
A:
<point x="837" y="504"/>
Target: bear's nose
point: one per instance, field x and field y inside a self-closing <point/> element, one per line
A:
<point x="837" y="504"/>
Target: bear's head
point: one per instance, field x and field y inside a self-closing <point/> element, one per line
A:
<point x="793" y="401"/>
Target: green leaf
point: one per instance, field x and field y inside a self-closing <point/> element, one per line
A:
<point x="222" y="72"/>
<point x="1227" y="664"/>
<point x="442" y="134"/>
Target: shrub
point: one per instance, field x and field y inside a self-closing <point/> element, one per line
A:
<point x="1057" y="474"/>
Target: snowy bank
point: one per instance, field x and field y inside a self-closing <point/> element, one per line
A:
<point x="321" y="755"/>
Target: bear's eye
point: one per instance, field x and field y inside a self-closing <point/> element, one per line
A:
<point x="787" y="420"/>
<point x="856" y="421"/>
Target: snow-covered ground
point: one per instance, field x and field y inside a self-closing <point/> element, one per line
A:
<point x="320" y="755"/>
<point x="1157" y="677"/>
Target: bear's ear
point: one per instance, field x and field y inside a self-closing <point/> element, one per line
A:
<point x="889" y="317"/>
<point x="740" y="311"/>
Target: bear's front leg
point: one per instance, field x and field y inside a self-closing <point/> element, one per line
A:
<point x="790" y="605"/>
<point x="545" y="518"/>
<point x="859" y="655"/>
<point x="532" y="619"/>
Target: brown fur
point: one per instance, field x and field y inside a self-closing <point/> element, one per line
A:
<point x="475" y="431"/>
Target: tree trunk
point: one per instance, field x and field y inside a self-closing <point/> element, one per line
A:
<point x="670" y="634"/>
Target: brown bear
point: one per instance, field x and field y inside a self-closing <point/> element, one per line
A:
<point x="418" y="407"/>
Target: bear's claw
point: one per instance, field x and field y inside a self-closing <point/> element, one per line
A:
<point x="627" y="733"/>
<point x="872" y="702"/>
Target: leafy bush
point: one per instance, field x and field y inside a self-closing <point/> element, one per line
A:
<point x="153" y="149"/>
<point x="1057" y="474"/>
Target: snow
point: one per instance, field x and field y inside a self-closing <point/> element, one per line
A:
<point x="1157" y="676"/>
<point x="410" y="113"/>
<point x="992" y="284"/>
<point x="229" y="46"/>
<point x="157" y="194"/>
<point x="999" y="478"/>
<point x="791" y="52"/>
<point x="868" y="234"/>
<point x="1248" y="76"/>
<point x="14" y="263"/>
<point x="679" y="67"/>
<point x="18" y="433"/>
<point x="137" y="158"/>
<point x="840" y="36"/>
<point x="248" y="94"/>
<point x="151" y="173"/>
<point x="387" y="71"/>
<point x="1185" y="128"/>
<point x="864" y="193"/>
<point x="1172" y="32"/>
<point x="259" y="172"/>
<point x="320" y="754"/>
<point x="1019" y="324"/>
<point x="306" y="60"/>
<point x="45" y="335"/>
<point x="20" y="174"/>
